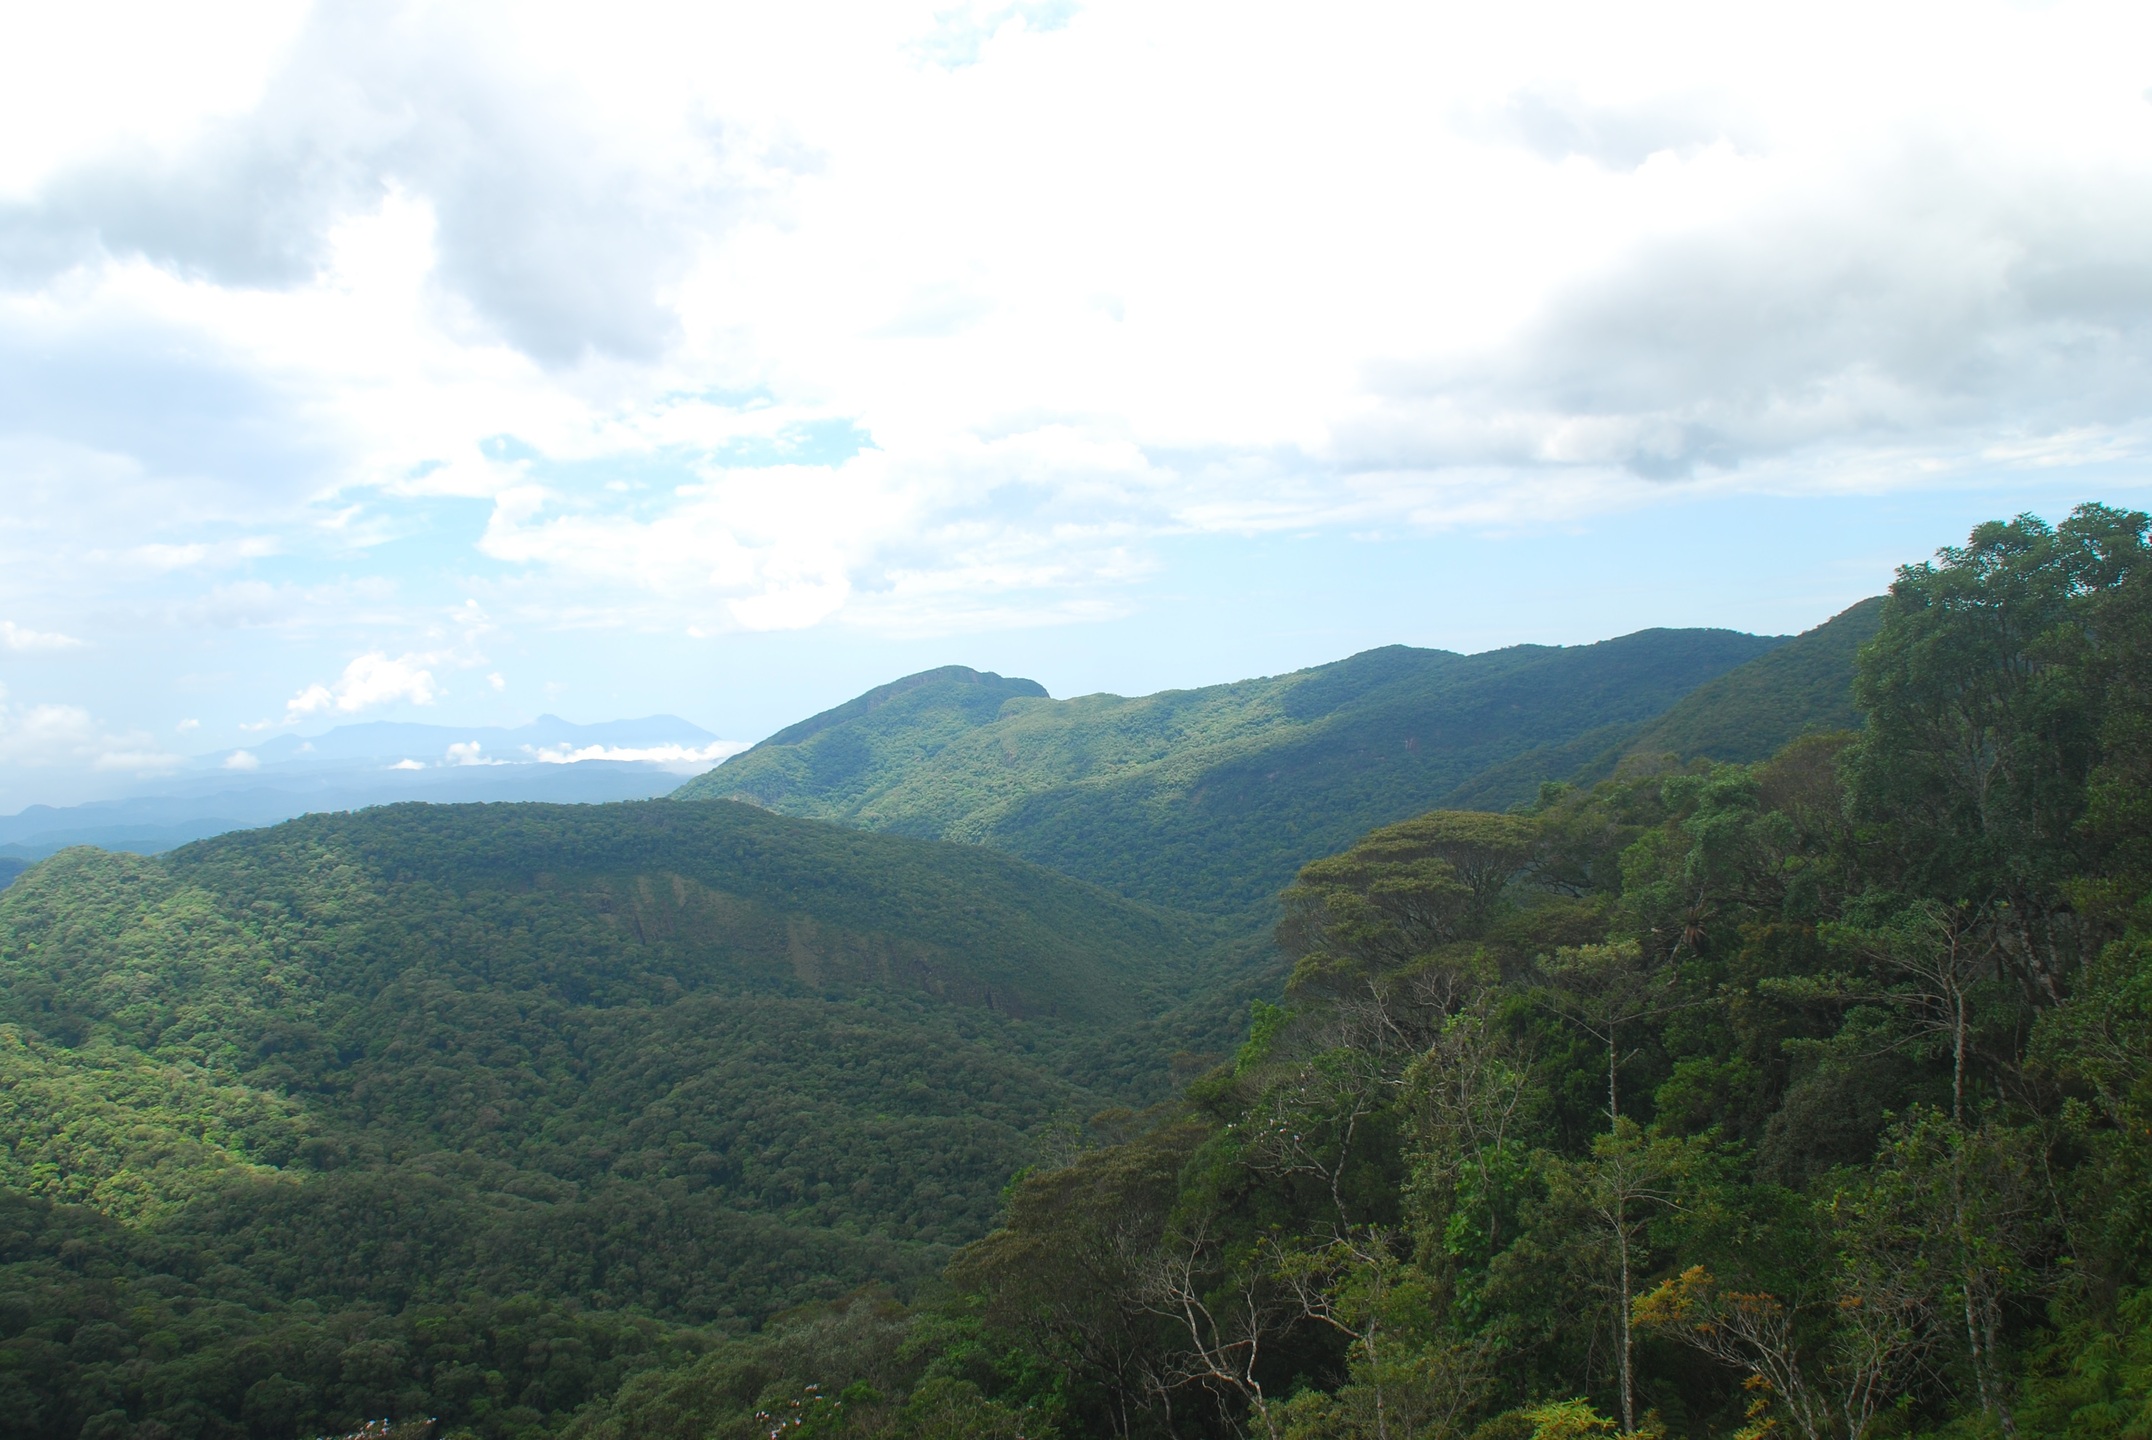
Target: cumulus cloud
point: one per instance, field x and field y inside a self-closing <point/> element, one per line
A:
<point x="49" y="735"/>
<point x="1518" y="239"/>
<point x="44" y="734"/>
<point x="675" y="756"/>
<point x="556" y="230"/>
<point x="370" y="680"/>
<point x="24" y="641"/>
<point x="1026" y="527"/>
<point x="1925" y="311"/>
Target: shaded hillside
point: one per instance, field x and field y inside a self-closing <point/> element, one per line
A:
<point x="1748" y="713"/>
<point x="1745" y="715"/>
<point x="1208" y="799"/>
<point x="700" y="1061"/>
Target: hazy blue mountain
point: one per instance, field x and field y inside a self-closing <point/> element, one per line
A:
<point x="354" y="766"/>
<point x="1210" y="799"/>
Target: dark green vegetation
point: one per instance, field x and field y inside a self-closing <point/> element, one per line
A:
<point x="1748" y="714"/>
<point x="1810" y="1097"/>
<point x="469" y="1110"/>
<point x="1209" y="800"/>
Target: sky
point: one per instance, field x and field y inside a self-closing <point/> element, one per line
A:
<point x="469" y="362"/>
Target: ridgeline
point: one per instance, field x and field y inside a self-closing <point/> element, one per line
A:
<point x="1208" y="800"/>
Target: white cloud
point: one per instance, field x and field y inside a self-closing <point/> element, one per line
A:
<point x="556" y="217"/>
<point x="242" y="760"/>
<point x="42" y="734"/>
<point x="158" y="70"/>
<point x="1036" y="522"/>
<point x="668" y="755"/>
<point x="370" y="680"/>
<point x="408" y="765"/>
<point x="50" y="735"/>
<point x="469" y="752"/>
<point x="24" y="641"/>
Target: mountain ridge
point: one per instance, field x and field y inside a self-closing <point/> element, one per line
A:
<point x="1748" y="713"/>
<point x="1206" y="799"/>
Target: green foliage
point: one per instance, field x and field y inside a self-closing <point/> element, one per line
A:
<point x="1572" y="1419"/>
<point x="1210" y="800"/>
<point x="1811" y="1096"/>
<point x="100" y="1324"/>
<point x="629" y="1067"/>
<point x="851" y="1368"/>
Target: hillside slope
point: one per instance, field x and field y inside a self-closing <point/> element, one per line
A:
<point x="1208" y="799"/>
<point x="699" y="1061"/>
<point x="1748" y="713"/>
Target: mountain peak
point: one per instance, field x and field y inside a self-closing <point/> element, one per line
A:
<point x="975" y="692"/>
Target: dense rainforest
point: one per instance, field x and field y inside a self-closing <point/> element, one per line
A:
<point x="1807" y="1093"/>
<point x="1810" y="1097"/>
<point x="466" y="1110"/>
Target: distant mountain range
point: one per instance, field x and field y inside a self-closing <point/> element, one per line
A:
<point x="1209" y="800"/>
<point x="354" y="766"/>
<point x="1202" y="799"/>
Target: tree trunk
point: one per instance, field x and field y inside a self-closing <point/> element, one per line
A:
<point x="1628" y="1395"/>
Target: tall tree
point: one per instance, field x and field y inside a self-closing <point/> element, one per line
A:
<point x="1984" y="716"/>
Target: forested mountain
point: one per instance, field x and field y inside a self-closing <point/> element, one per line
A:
<point x="1210" y="799"/>
<point x="1801" y="687"/>
<point x="376" y="1084"/>
<point x="1810" y="1097"/>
